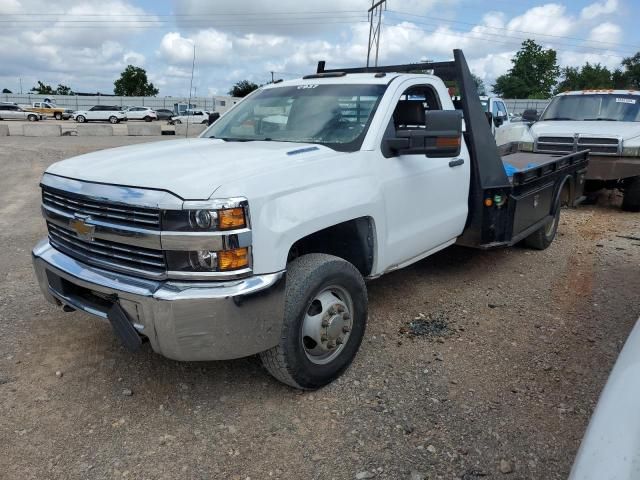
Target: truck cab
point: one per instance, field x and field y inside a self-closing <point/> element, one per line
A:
<point x="49" y="109"/>
<point x="607" y="123"/>
<point x="260" y="238"/>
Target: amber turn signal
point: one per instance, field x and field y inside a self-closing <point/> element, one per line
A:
<point x="231" y="218"/>
<point x="233" y="259"/>
<point x="488" y="202"/>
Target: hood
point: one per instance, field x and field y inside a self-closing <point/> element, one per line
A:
<point x="190" y="168"/>
<point x="624" y="130"/>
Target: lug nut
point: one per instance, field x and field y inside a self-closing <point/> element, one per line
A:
<point x="346" y="329"/>
<point x="331" y="345"/>
<point x="339" y="340"/>
<point x="341" y="308"/>
<point x="325" y="322"/>
<point x="332" y="311"/>
<point x="324" y="338"/>
<point x="346" y="316"/>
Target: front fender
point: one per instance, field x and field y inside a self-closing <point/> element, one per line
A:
<point x="294" y="214"/>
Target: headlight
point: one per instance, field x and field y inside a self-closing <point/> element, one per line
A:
<point x="631" y="151"/>
<point x="208" y="239"/>
<point x="209" y="260"/>
<point x="526" y="146"/>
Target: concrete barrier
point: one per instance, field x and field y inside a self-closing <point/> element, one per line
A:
<point x="4" y="130"/>
<point x="194" y="129"/>
<point x="144" y="129"/>
<point x="37" y="129"/>
<point x="96" y="130"/>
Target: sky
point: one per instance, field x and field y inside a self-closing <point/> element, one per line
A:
<point x="86" y="44"/>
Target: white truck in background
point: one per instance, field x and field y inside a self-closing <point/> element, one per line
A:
<point x="607" y="123"/>
<point x="504" y="130"/>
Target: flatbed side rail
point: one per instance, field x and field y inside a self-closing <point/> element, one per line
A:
<point x="535" y="173"/>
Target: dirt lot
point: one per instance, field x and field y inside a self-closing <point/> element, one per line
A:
<point x="518" y="346"/>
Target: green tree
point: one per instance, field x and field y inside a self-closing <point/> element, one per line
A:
<point x="630" y="76"/>
<point x="243" y="88"/>
<point x="43" y="89"/>
<point x="6" y="90"/>
<point x="63" y="90"/>
<point x="480" y="88"/>
<point x="533" y="74"/>
<point x="585" y="77"/>
<point x="133" y="82"/>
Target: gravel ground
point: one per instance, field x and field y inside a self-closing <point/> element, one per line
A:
<point x="475" y="365"/>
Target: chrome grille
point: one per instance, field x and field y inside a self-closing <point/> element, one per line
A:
<point x="599" y="145"/>
<point x="116" y="213"/>
<point x="107" y="254"/>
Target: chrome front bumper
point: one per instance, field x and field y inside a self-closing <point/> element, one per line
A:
<point x="182" y="320"/>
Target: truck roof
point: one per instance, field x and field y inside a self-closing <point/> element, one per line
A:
<point x="351" y="78"/>
<point x="600" y="92"/>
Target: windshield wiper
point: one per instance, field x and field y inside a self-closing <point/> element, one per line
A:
<point x="558" y="118"/>
<point x="232" y="139"/>
<point x="601" y="119"/>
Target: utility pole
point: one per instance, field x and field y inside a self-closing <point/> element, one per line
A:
<point x="272" y="77"/>
<point x="20" y="85"/>
<point x="375" y="13"/>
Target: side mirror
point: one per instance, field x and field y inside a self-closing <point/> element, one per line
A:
<point x="498" y="120"/>
<point x="530" y="115"/>
<point x="441" y="138"/>
<point x="489" y="116"/>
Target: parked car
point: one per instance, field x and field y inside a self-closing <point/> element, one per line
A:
<point x="141" y="113"/>
<point x="11" y="111"/>
<point x="165" y="113"/>
<point x="257" y="238"/>
<point x="191" y="116"/>
<point x="609" y="449"/>
<point x="48" y="109"/>
<point x="109" y="113"/>
<point x="607" y="122"/>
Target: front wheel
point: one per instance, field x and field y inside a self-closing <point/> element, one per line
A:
<point x="177" y="122"/>
<point x="113" y="120"/>
<point x="325" y="316"/>
<point x="80" y="119"/>
<point x="631" y="198"/>
<point x="147" y="119"/>
<point x="32" y="118"/>
<point x="58" y="116"/>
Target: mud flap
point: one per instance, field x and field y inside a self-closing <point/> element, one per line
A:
<point x="123" y="328"/>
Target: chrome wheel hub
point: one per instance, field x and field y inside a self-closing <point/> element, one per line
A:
<point x="327" y="324"/>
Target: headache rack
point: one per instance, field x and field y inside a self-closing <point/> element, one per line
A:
<point x="487" y="170"/>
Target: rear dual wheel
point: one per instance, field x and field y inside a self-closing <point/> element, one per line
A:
<point x="325" y="316"/>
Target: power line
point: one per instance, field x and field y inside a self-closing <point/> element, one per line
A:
<point x="474" y="35"/>
<point x="439" y="19"/>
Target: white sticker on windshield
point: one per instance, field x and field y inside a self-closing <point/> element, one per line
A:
<point x="302" y="87"/>
<point x="626" y="100"/>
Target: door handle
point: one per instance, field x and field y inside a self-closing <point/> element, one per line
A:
<point x="456" y="163"/>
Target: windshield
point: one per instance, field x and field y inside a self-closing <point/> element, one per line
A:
<point x="610" y="107"/>
<point x="333" y="115"/>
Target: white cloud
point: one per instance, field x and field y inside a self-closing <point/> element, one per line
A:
<point x="549" y="19"/>
<point x="606" y="32"/>
<point x="598" y="9"/>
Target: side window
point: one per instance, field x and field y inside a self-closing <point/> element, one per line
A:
<point x="94" y="108"/>
<point x="500" y="109"/>
<point x="414" y="102"/>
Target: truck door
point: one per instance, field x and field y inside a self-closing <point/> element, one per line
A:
<point x="425" y="198"/>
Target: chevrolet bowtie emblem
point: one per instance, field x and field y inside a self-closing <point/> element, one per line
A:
<point x="84" y="230"/>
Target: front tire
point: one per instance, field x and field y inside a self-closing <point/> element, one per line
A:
<point x="325" y="316"/>
<point x="58" y="116"/>
<point x="32" y="118"/>
<point x="631" y="198"/>
<point x="113" y="120"/>
<point x="147" y="119"/>
<point x="81" y="119"/>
